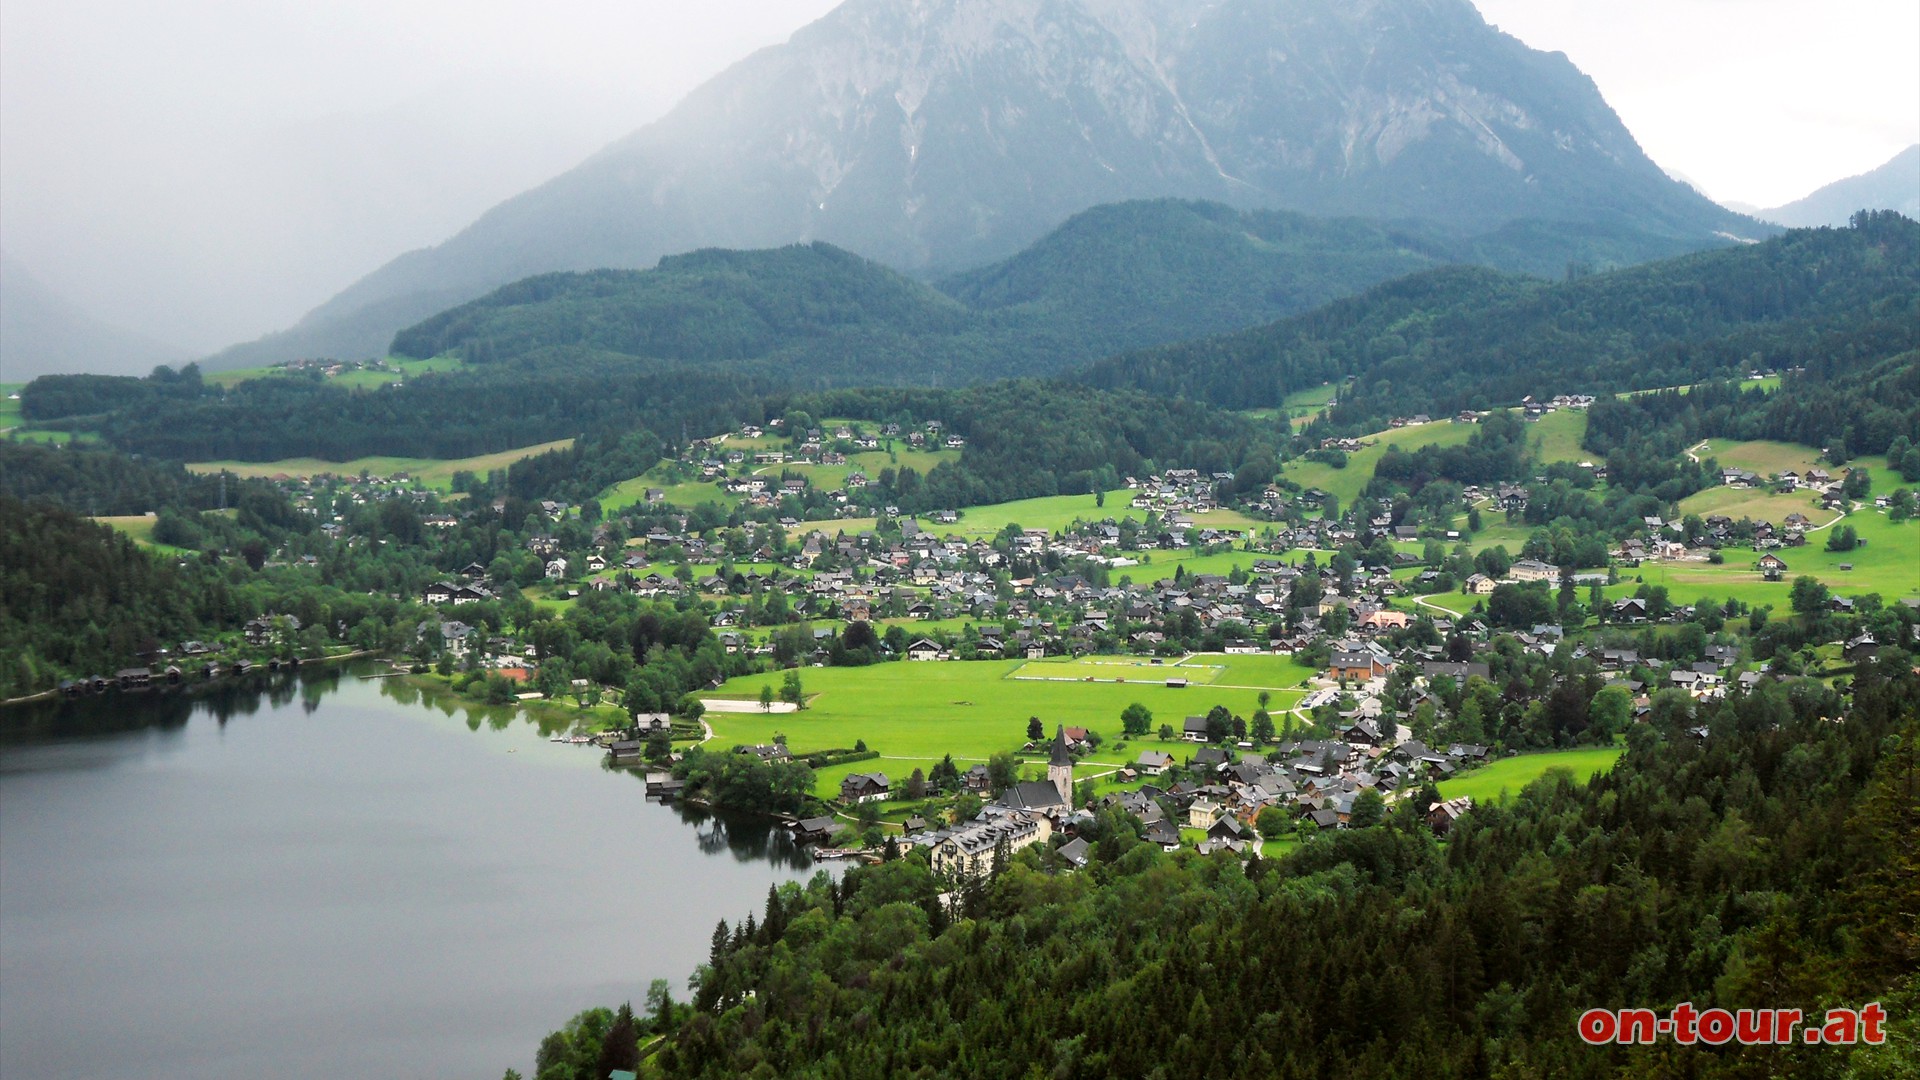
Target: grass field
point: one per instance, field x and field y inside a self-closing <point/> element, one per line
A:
<point x="825" y="477"/>
<point x="139" y="527"/>
<point x="357" y="379"/>
<point x="1055" y="512"/>
<point x="1301" y="406"/>
<point x="1557" y="437"/>
<point x="1768" y="458"/>
<point x="41" y="435"/>
<point x="1771" y="382"/>
<point x="1888" y="564"/>
<point x="1347" y="483"/>
<point x="912" y="713"/>
<point x="9" y="405"/>
<point x="1503" y="779"/>
<point x="433" y="472"/>
<point x="1756" y="504"/>
<point x="1117" y="669"/>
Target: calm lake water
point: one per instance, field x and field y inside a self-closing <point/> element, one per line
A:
<point x="328" y="877"/>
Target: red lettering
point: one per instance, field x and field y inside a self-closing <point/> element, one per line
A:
<point x="1597" y="1026"/>
<point x="1716" y="1026"/>
<point x="1753" y="1026"/>
<point x="1871" y="1018"/>
<point x="1638" y="1026"/>
<point x="1784" y="1021"/>
<point x="1842" y="1027"/>
<point x="1683" y="1018"/>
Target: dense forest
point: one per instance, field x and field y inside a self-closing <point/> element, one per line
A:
<point x="456" y="414"/>
<point x="1756" y="854"/>
<point x="1823" y="299"/>
<point x="1845" y="409"/>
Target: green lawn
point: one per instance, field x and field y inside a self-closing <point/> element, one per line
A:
<point x="435" y="473"/>
<point x="913" y="713"/>
<point x="1347" y="483"/>
<point x="1301" y="406"/>
<point x="1056" y="512"/>
<point x="1118" y="669"/>
<point x="1557" y="437"/>
<point x="356" y="379"/>
<point x="1754" y="503"/>
<point x="140" y="528"/>
<point x="42" y="435"/>
<point x="1888" y="564"/>
<point x="1503" y="779"/>
<point x="9" y="405"/>
<point x="1767" y="458"/>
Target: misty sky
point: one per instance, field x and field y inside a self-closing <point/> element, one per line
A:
<point x="208" y="170"/>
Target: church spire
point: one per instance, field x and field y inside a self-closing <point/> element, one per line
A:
<point x="1060" y="766"/>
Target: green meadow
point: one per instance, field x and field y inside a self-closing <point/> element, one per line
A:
<point x="360" y="379"/>
<point x="1056" y="512"/>
<point x="1768" y="458"/>
<point x="1503" y="779"/>
<point x="1346" y="483"/>
<point x="1557" y="437"/>
<point x="435" y="473"/>
<point x="139" y="528"/>
<point x="1888" y="563"/>
<point x="914" y="713"/>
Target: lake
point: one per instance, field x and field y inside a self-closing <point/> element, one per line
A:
<point x="323" y="876"/>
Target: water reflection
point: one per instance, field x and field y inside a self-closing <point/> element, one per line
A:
<point x="749" y="838"/>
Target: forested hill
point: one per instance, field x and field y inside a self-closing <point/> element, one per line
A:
<point x="1117" y="277"/>
<point x="1757" y="854"/>
<point x="1465" y="337"/>
<point x="1149" y="271"/>
<point x="819" y="309"/>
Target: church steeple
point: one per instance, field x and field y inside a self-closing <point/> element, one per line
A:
<point x="1060" y="766"/>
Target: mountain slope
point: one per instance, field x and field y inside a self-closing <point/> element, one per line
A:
<point x="1893" y="186"/>
<point x="1114" y="278"/>
<point x="945" y="133"/>
<point x="41" y="333"/>
<point x="1466" y="337"/>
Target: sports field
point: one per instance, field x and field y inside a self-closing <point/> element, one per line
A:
<point x="1503" y="779"/>
<point x="1056" y="512"/>
<point x="435" y="473"/>
<point x="913" y="713"/>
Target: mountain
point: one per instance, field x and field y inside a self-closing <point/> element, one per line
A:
<point x="941" y="134"/>
<point x="1893" y="186"/>
<point x="41" y="333"/>
<point x="1468" y="337"/>
<point x="1114" y="278"/>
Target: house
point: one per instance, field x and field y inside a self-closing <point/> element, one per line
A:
<point x="1357" y="666"/>
<point x="1203" y="813"/>
<point x="972" y="850"/>
<point x="1458" y="672"/>
<point x="1076" y="851"/>
<point x="1480" y="585"/>
<point x="1154" y="762"/>
<point x="1195" y="729"/>
<point x="859" y="788"/>
<point x="1534" y="570"/>
<point x="925" y="649"/>
<point x="817" y="830"/>
<point x="977" y="779"/>
<point x="1442" y="815"/>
